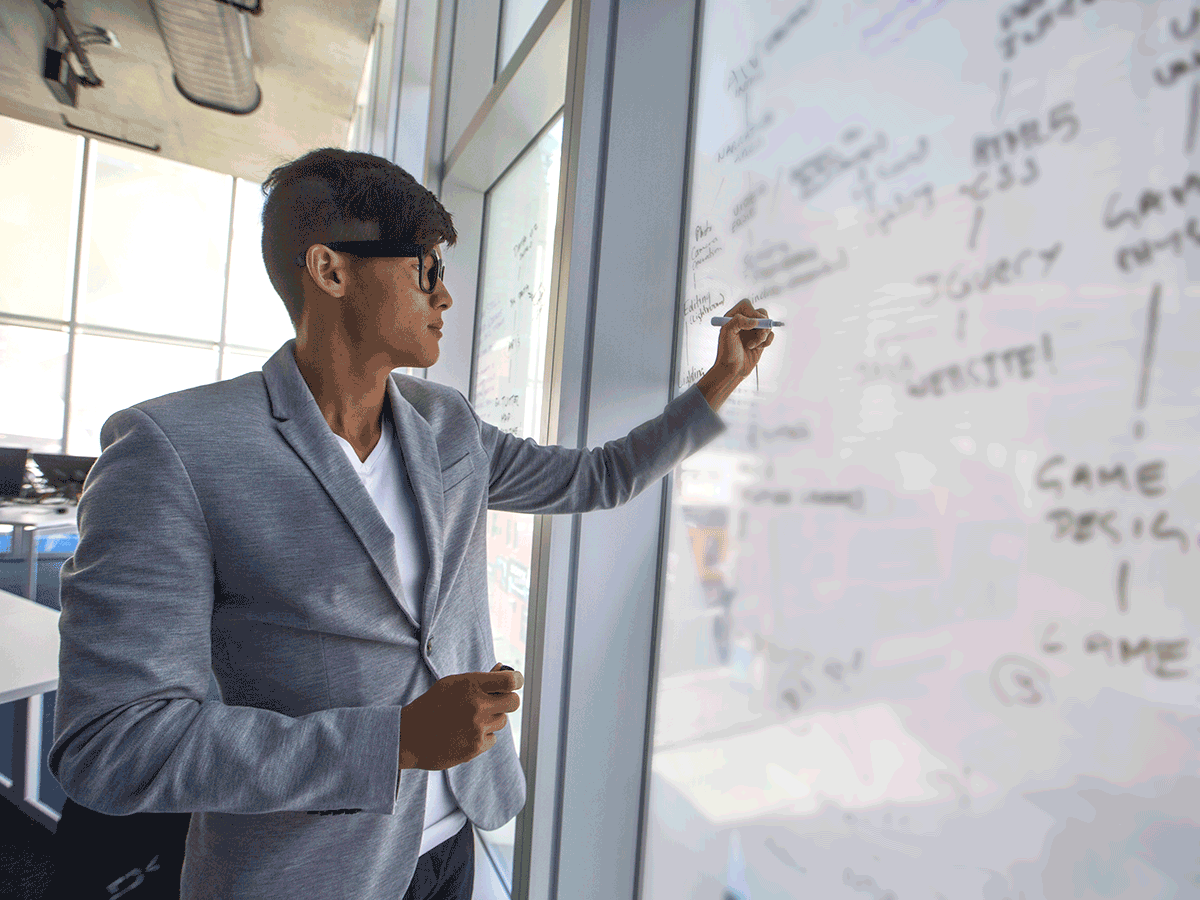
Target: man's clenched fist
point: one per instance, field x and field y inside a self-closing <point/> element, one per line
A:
<point x="456" y="719"/>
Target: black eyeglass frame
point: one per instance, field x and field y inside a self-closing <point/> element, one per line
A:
<point x="391" y="249"/>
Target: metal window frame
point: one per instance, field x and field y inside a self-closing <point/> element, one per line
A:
<point x="622" y="107"/>
<point x="480" y="125"/>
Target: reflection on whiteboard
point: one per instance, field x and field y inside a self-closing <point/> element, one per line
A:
<point x="947" y="647"/>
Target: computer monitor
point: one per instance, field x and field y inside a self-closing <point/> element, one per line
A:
<point x="12" y="471"/>
<point x="64" y="473"/>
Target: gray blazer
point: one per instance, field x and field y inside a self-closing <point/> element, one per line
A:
<point x="223" y="531"/>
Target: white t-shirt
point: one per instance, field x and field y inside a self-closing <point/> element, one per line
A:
<point x="386" y="479"/>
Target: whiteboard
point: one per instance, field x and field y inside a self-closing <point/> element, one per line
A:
<point x="963" y="578"/>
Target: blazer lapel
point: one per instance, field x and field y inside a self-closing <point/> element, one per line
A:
<point x="423" y="462"/>
<point x="305" y="429"/>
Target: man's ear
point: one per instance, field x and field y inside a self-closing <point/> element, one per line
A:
<point x="331" y="271"/>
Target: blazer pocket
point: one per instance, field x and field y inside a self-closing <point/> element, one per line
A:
<point x="456" y="472"/>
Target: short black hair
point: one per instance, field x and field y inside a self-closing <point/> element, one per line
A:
<point x="330" y="194"/>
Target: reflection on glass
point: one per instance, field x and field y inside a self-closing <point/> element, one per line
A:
<point x="516" y="17"/>
<point x="38" y="210"/>
<point x="509" y="371"/>
<point x="257" y="316"/>
<point x="156" y="254"/>
<point x="33" y="368"/>
<point x="110" y="374"/>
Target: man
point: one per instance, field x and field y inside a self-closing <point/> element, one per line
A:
<point x="314" y="535"/>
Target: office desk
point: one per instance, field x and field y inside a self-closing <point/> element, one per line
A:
<point x="29" y="637"/>
<point x="28" y="669"/>
<point x="30" y="521"/>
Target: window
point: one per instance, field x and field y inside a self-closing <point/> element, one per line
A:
<point x="111" y="373"/>
<point x="256" y="316"/>
<point x="510" y="363"/>
<point x="38" y="215"/>
<point x="33" y="367"/>
<point x="516" y="17"/>
<point x="156" y="235"/>
<point x="156" y="254"/>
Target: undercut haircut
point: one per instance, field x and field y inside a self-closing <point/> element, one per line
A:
<point x="332" y="194"/>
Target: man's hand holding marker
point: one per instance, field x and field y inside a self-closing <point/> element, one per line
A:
<point x="457" y="719"/>
<point x="745" y="333"/>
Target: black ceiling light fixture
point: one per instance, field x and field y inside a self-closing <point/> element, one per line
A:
<point x="208" y="42"/>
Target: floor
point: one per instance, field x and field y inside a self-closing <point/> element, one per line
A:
<point x="25" y="862"/>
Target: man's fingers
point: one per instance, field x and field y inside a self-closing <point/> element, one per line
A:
<point x="742" y="322"/>
<point x="502" y="681"/>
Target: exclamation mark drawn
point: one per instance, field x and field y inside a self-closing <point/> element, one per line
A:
<point x="1189" y="143"/>
<point x="975" y="223"/>
<point x="1123" y="587"/>
<point x="1139" y="427"/>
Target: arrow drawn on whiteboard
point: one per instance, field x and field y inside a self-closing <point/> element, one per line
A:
<point x="1139" y="427"/>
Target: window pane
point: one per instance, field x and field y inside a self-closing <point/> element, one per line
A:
<point x="38" y="209"/>
<point x="110" y="374"/>
<point x="156" y="255"/>
<point x="257" y="316"/>
<point x="516" y="18"/>
<point x="33" y="367"/>
<point x="510" y="366"/>
<point x="236" y="364"/>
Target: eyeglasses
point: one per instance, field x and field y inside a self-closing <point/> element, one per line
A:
<point x="430" y="275"/>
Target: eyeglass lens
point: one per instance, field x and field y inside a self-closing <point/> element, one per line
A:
<point x="431" y="271"/>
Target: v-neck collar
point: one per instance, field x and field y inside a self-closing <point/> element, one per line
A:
<point x="378" y="452"/>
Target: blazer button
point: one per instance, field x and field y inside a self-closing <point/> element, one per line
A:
<point x="429" y="646"/>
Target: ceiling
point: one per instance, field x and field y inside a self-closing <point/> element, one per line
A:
<point x="308" y="61"/>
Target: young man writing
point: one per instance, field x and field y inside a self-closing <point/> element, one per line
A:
<point x="314" y="534"/>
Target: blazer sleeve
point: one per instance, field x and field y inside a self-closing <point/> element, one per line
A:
<point x="134" y="730"/>
<point x="529" y="478"/>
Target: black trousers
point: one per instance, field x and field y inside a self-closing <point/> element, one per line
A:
<point x="96" y="855"/>
<point x="447" y="872"/>
<point x="109" y="856"/>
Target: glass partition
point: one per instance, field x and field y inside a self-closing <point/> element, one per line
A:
<point x="508" y="384"/>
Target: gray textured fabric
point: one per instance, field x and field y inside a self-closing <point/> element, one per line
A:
<point x="223" y="531"/>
